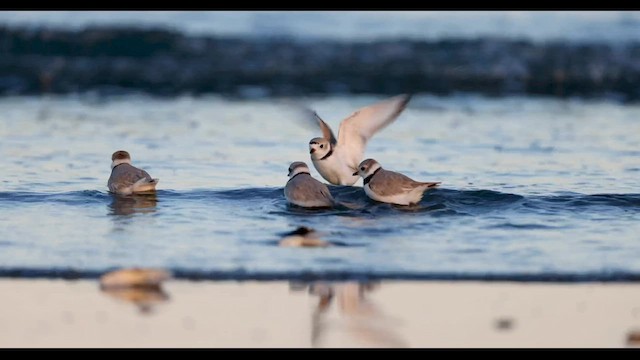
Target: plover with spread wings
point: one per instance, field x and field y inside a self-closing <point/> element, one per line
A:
<point x="337" y="158"/>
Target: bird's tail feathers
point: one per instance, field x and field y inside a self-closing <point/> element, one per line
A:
<point x="430" y="185"/>
<point x="145" y="184"/>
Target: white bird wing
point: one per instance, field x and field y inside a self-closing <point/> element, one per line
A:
<point x="311" y="119"/>
<point x="358" y="128"/>
<point x="326" y="130"/>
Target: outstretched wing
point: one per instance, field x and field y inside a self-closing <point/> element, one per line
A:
<point x="311" y="119"/>
<point x="326" y="130"/>
<point x="358" y="128"/>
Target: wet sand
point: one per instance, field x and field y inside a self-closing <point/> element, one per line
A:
<point x="57" y="313"/>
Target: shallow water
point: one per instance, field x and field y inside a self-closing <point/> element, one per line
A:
<point x="531" y="189"/>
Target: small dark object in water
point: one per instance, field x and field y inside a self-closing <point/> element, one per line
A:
<point x="302" y="237"/>
<point x="504" y="324"/>
<point x="301" y="230"/>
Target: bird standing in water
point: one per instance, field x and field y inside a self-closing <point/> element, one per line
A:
<point x="391" y="187"/>
<point x="127" y="179"/>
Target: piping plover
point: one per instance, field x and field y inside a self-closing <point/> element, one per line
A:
<point x="134" y="277"/>
<point x="391" y="187"/>
<point x="127" y="179"/>
<point x="337" y="159"/>
<point x="305" y="191"/>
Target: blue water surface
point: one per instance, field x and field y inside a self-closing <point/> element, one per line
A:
<point x="532" y="189"/>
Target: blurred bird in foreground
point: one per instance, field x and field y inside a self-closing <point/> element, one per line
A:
<point x="302" y="237"/>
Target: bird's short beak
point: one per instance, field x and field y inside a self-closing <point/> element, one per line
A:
<point x="355" y="173"/>
<point x="312" y="151"/>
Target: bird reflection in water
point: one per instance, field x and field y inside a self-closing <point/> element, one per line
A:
<point x="353" y="321"/>
<point x="141" y="287"/>
<point x="132" y="204"/>
<point x="144" y="299"/>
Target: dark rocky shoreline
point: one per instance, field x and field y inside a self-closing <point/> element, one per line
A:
<point x="166" y="62"/>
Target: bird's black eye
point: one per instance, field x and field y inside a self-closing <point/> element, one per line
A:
<point x="321" y="146"/>
<point x="362" y="168"/>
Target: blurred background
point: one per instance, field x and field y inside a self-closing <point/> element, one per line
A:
<point x="273" y="53"/>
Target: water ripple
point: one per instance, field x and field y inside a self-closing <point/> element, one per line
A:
<point x="441" y="201"/>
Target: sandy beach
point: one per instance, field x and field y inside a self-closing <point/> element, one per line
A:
<point x="58" y="313"/>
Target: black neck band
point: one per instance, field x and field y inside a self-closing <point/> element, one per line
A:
<point x="298" y="174"/>
<point x="368" y="178"/>
<point x="328" y="154"/>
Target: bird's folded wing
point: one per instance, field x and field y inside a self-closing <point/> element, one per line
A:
<point x="388" y="183"/>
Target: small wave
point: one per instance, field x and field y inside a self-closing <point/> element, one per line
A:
<point x="580" y="200"/>
<point x="228" y="194"/>
<point x="242" y="274"/>
<point x="509" y="225"/>
<point x="472" y="198"/>
<point x="72" y="197"/>
<point x="437" y="202"/>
